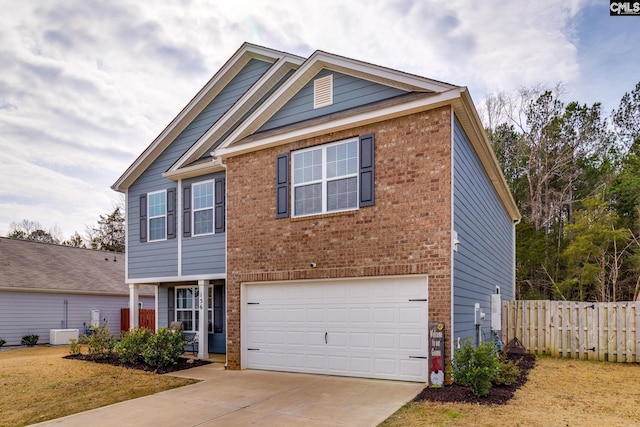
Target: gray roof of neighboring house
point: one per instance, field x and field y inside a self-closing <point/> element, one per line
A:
<point x="41" y="267"/>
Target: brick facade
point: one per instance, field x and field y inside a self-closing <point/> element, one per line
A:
<point x="408" y="231"/>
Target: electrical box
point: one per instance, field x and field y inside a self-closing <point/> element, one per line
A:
<point x="95" y="318"/>
<point x="476" y="314"/>
<point x="496" y="312"/>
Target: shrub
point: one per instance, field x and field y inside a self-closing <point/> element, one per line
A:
<point x="30" y="340"/>
<point x="2" y="342"/>
<point x="508" y="372"/>
<point x="163" y="349"/>
<point x="100" y="343"/>
<point x="476" y="367"/>
<point x="132" y="345"/>
<point x="75" y="347"/>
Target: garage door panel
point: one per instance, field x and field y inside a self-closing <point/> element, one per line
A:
<point x="371" y="327"/>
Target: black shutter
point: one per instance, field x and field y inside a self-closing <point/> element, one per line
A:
<point x="171" y="299"/>
<point x="367" y="194"/>
<point x="219" y="205"/>
<point x="186" y="212"/>
<point x="143" y="218"/>
<point x="282" y="185"/>
<point x="171" y="213"/>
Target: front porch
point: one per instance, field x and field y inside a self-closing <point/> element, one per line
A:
<point x="198" y="305"/>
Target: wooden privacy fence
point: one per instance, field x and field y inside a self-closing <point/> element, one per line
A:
<point x="579" y="330"/>
<point x="146" y="319"/>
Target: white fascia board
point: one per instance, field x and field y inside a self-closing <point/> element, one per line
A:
<point x="347" y="122"/>
<point x="244" y="104"/>
<point x="311" y="67"/>
<point x="470" y="121"/>
<point x="167" y="279"/>
<point x="210" y="90"/>
<point x="383" y="75"/>
<point x="212" y="166"/>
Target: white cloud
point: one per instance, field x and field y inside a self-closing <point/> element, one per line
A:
<point x="86" y="85"/>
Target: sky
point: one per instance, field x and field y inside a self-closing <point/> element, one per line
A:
<point x="86" y="85"/>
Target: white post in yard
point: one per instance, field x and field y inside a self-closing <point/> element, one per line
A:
<point x="203" y="309"/>
<point x="134" y="289"/>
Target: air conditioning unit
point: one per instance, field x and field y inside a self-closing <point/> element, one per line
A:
<point x="62" y="336"/>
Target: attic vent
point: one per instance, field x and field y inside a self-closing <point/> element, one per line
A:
<point x="323" y="91"/>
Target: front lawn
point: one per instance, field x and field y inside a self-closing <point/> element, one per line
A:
<point x="558" y="392"/>
<point x="39" y="384"/>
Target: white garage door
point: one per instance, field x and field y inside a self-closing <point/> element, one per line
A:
<point x="373" y="327"/>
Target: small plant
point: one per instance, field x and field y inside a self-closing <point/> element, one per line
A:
<point x="476" y="367"/>
<point x="163" y="349"/>
<point x="508" y="372"/>
<point x="30" y="340"/>
<point x="132" y="345"/>
<point x="75" y="347"/>
<point x="2" y="342"/>
<point x="101" y="343"/>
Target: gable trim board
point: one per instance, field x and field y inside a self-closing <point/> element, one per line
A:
<point x="458" y="98"/>
<point x="197" y="104"/>
<point x="312" y="66"/>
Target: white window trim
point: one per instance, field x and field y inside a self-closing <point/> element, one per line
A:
<point x="194" y="210"/>
<point x="324" y="178"/>
<point x="194" y="307"/>
<point x="149" y="217"/>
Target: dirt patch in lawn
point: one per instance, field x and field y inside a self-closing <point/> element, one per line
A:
<point x="182" y="364"/>
<point x="500" y="395"/>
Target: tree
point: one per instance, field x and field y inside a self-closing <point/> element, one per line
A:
<point x="594" y="253"/>
<point x="110" y="234"/>
<point x="33" y="230"/>
<point x="75" y="241"/>
<point x="627" y="117"/>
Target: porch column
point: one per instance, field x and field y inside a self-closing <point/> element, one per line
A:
<point x="134" y="315"/>
<point x="203" y="330"/>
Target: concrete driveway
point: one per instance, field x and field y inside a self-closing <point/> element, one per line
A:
<point x="240" y="398"/>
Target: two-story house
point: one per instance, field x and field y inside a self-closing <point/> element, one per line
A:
<point x="317" y="214"/>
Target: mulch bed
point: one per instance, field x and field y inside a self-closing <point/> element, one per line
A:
<point x="500" y="395"/>
<point x="182" y="364"/>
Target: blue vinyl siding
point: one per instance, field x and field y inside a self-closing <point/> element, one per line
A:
<point x="203" y="254"/>
<point x="484" y="258"/>
<point x="160" y="259"/>
<point x="36" y="313"/>
<point x="348" y="92"/>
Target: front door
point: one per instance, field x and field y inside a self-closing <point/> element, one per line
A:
<point x="217" y="341"/>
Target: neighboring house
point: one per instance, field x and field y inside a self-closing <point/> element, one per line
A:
<point x="316" y="214"/>
<point x="45" y="286"/>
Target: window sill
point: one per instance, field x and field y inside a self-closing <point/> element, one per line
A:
<point x="350" y="212"/>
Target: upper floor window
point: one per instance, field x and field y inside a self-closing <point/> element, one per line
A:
<point x="157" y="215"/>
<point x="325" y="179"/>
<point x="334" y="177"/>
<point x="202" y="208"/>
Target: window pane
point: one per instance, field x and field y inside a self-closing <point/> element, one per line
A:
<point x="342" y="159"/>
<point x="307" y="166"/>
<point x="156" y="228"/>
<point x="203" y="195"/>
<point x="157" y="204"/>
<point x="186" y="317"/>
<point x="203" y="222"/>
<point x="342" y="194"/>
<point x="308" y="199"/>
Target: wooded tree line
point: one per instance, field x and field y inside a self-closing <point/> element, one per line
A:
<point x="575" y="175"/>
<point x="107" y="235"/>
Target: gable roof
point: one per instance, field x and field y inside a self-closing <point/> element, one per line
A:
<point x="239" y="131"/>
<point x="42" y="267"/>
<point x="214" y="86"/>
